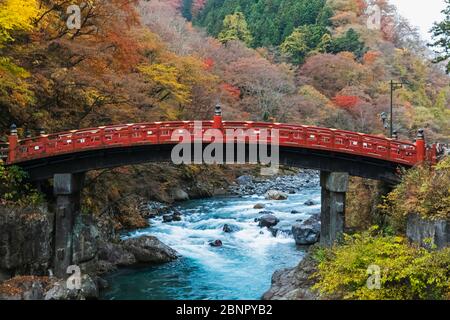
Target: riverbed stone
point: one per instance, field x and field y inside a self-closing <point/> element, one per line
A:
<point x="268" y="220"/>
<point x="167" y="218"/>
<point x="179" y="194"/>
<point x="295" y="283"/>
<point x="114" y="254"/>
<point x="259" y="206"/>
<point x="149" y="249"/>
<point x="307" y="232"/>
<point x="244" y="180"/>
<point x="176" y="217"/>
<point x="276" y="195"/>
<point x="229" y="228"/>
<point x="216" y="243"/>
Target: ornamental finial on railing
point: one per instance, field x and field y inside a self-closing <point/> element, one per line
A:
<point x="13" y="130"/>
<point x="218" y="116"/>
<point x="421" y="134"/>
<point x="395" y="135"/>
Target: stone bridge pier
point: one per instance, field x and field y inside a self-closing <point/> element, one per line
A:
<point x="67" y="190"/>
<point x="334" y="187"/>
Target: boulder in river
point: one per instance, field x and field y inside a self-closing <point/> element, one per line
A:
<point x="179" y="194"/>
<point x="268" y="220"/>
<point x="167" y="218"/>
<point x="229" y="228"/>
<point x="295" y="212"/>
<point x="176" y="217"/>
<point x="307" y="232"/>
<point x="310" y="203"/>
<point x="244" y="180"/>
<point x="149" y="249"/>
<point x="276" y="195"/>
<point x="276" y="231"/>
<point x="259" y="206"/>
<point x="114" y="254"/>
<point x="216" y="243"/>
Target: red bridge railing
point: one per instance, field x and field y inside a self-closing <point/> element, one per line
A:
<point x="129" y="135"/>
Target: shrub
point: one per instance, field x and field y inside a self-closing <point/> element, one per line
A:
<point x="14" y="188"/>
<point x="423" y="190"/>
<point x="407" y="272"/>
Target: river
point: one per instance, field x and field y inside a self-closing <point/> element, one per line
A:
<point x="241" y="269"/>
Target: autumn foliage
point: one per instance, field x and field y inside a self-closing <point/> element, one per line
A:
<point x="346" y="102"/>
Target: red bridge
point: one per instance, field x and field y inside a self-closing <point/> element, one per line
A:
<point x="305" y="146"/>
<point x="66" y="156"/>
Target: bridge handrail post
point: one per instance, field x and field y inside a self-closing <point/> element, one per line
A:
<point x="13" y="141"/>
<point x="420" y="146"/>
<point x="218" y="117"/>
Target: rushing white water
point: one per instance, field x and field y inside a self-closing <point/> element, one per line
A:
<point x="240" y="269"/>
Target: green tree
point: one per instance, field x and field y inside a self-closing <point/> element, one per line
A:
<point x="186" y="9"/>
<point x="349" y="42"/>
<point x="303" y="40"/>
<point x="441" y="37"/>
<point x="269" y="21"/>
<point x="235" y="28"/>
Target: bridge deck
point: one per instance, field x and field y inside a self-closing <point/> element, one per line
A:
<point x="44" y="146"/>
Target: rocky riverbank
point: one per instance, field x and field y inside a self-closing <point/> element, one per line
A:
<point x="26" y="253"/>
<point x="295" y="283"/>
<point x="27" y="234"/>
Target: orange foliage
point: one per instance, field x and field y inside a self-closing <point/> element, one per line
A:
<point x="371" y="56"/>
<point x="346" y="102"/>
<point x="362" y="6"/>
<point x="232" y="90"/>
<point x="208" y="64"/>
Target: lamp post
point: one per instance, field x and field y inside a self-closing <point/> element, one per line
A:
<point x="394" y="86"/>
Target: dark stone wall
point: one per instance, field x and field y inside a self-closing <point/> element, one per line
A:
<point x="418" y="230"/>
<point x="26" y="241"/>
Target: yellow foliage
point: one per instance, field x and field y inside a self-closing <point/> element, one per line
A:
<point x="16" y="15"/>
<point x="406" y="272"/>
<point x="12" y="85"/>
<point x="165" y="78"/>
<point x="176" y="79"/>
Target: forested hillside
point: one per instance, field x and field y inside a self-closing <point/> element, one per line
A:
<point x="310" y="62"/>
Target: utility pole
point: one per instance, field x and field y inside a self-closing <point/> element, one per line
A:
<point x="394" y="86"/>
